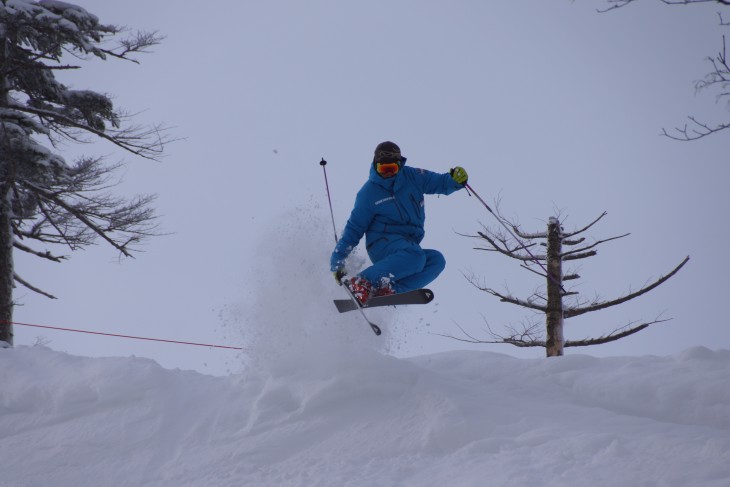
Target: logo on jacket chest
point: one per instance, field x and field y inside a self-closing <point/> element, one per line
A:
<point x="381" y="201"/>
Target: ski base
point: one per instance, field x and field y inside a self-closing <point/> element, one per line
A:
<point x="417" y="296"/>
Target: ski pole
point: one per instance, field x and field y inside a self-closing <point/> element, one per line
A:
<point x="376" y="329"/>
<point x="517" y="239"/>
<point x="323" y="163"/>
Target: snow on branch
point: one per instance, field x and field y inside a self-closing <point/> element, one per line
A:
<point x="146" y="143"/>
<point x="578" y="253"/>
<point x="576" y="232"/>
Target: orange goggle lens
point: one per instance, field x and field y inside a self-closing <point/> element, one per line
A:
<point x="387" y="169"/>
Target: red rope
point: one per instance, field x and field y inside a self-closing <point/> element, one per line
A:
<point x="121" y="336"/>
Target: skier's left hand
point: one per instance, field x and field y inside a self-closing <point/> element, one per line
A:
<point x="339" y="274"/>
<point x="459" y="175"/>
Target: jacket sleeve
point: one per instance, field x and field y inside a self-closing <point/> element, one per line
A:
<point x="357" y="225"/>
<point x="434" y="183"/>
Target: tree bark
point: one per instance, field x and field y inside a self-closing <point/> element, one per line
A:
<point x="6" y="267"/>
<point x="6" y="231"/>
<point x="554" y="314"/>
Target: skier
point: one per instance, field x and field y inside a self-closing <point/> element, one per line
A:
<point x="389" y="211"/>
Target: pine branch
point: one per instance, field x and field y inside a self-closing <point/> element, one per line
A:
<point x="81" y="216"/>
<point x="129" y="140"/>
<point x="138" y="44"/>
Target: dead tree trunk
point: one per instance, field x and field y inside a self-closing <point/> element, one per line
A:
<point x="554" y="313"/>
<point x="551" y="302"/>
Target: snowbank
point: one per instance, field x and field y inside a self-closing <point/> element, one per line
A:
<point x="360" y="418"/>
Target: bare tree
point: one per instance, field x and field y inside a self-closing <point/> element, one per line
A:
<point x="560" y="247"/>
<point x="718" y="78"/>
<point x="44" y="200"/>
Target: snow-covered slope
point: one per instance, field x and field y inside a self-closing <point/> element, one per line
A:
<point x="360" y="418"/>
<point x="323" y="403"/>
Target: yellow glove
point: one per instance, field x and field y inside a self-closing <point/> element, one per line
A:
<point x="459" y="175"/>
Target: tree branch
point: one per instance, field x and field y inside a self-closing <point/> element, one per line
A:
<point x="572" y="234"/>
<point x="611" y="337"/>
<point x="45" y="255"/>
<point x="507" y="251"/>
<point x="528" y="337"/>
<point x="622" y="3"/>
<point x="126" y="139"/>
<point x="582" y="249"/>
<point x="580" y="256"/>
<point x="513" y="300"/>
<point x="687" y="135"/>
<point x="571" y="312"/>
<point x="137" y="44"/>
<point x="33" y="288"/>
<point x="81" y="216"/>
<point x="573" y="242"/>
<point x="524" y="339"/>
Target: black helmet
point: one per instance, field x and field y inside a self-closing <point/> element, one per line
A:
<point x="387" y="152"/>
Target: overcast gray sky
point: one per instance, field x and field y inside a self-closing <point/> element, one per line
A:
<point x="547" y="103"/>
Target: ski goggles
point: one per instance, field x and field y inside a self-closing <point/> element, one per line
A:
<point x="387" y="169"/>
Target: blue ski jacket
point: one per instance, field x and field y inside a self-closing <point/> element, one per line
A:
<point x="390" y="208"/>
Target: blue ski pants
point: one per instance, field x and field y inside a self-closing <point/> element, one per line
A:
<point x="405" y="263"/>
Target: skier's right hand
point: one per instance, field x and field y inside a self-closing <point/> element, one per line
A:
<point x="339" y="274"/>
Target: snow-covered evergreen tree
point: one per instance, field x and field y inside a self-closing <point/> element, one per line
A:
<point x="43" y="199"/>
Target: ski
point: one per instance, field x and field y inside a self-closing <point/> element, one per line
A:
<point x="417" y="296"/>
<point x="355" y="305"/>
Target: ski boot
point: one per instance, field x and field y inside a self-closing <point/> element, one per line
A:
<point x="360" y="288"/>
<point x="385" y="289"/>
